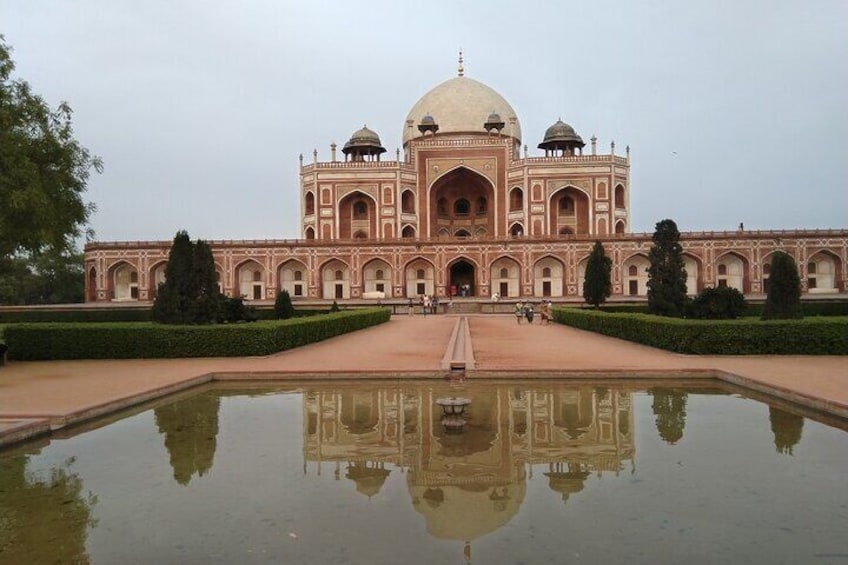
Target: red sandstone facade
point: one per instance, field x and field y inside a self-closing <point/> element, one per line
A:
<point x="463" y="209"/>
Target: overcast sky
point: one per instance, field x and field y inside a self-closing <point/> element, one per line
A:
<point x="734" y="110"/>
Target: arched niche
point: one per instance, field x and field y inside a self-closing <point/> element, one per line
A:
<point x="335" y="280"/>
<point x="569" y="208"/>
<point x="357" y="216"/>
<point x="377" y="277"/>
<point x="419" y="275"/>
<point x="461" y="199"/>
<point x="505" y="277"/>
<point x="294" y="278"/>
<point x="548" y="277"/>
<point x="250" y="280"/>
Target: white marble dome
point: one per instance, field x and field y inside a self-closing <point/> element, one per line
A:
<point x="461" y="105"/>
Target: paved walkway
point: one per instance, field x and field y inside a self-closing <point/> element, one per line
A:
<point x="38" y="396"/>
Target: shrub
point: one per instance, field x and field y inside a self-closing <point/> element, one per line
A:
<point x="39" y="342"/>
<point x="720" y="303"/>
<point x="666" y="275"/>
<point x="234" y="309"/>
<point x="597" y="285"/>
<point x="783" y="300"/>
<point x="283" y="306"/>
<point x="746" y="336"/>
<point x="334" y="307"/>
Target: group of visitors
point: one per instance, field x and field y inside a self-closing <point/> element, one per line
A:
<point x="429" y="304"/>
<point x="526" y="311"/>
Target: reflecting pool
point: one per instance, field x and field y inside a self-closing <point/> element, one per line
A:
<point x="366" y="472"/>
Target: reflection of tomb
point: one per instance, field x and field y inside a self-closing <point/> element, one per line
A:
<point x="471" y="483"/>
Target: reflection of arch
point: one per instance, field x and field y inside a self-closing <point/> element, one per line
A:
<point x="458" y="198"/>
<point x="377" y="277"/>
<point x="250" y="277"/>
<point x="357" y="213"/>
<point x="694" y="278"/>
<point x="123" y="281"/>
<point x="407" y="202"/>
<point x="335" y="279"/>
<point x="516" y="199"/>
<point x="732" y="271"/>
<point x="634" y="274"/>
<point x="309" y="203"/>
<point x="408" y="231"/>
<point x="462" y="276"/>
<point x="505" y="277"/>
<point x="156" y="277"/>
<point x="420" y="277"/>
<point x="359" y="413"/>
<point x="293" y="278"/>
<point x="824" y="272"/>
<point x="548" y="276"/>
<point x="569" y="207"/>
<point x="574" y="412"/>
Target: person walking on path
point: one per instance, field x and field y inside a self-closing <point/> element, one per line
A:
<point x="519" y="311"/>
<point x="411" y="307"/>
<point x="528" y="311"/>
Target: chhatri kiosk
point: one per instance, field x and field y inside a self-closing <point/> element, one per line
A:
<point x="464" y="205"/>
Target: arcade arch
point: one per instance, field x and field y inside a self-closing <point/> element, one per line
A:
<point x="335" y="279"/>
<point x="293" y="278"/>
<point x="251" y="280"/>
<point x="732" y="271"/>
<point x="377" y="277"/>
<point x="420" y="278"/>
<point x="459" y="200"/>
<point x="505" y="277"/>
<point x="357" y="216"/>
<point x="548" y="275"/>
<point x="569" y="208"/>
<point x="634" y="274"/>
<point x="823" y="270"/>
<point x="123" y="279"/>
<point x="694" y="283"/>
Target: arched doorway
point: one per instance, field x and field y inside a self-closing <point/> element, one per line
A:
<point x="461" y="201"/>
<point x="461" y="278"/>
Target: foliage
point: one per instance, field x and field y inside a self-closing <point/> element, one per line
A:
<point x="190" y="293"/>
<point x="96" y="314"/>
<point x="47" y="277"/>
<point x="39" y="342"/>
<point x="43" y="170"/>
<point x="720" y="303"/>
<point x="283" y="306"/>
<point x="234" y="309"/>
<point x="334" y="307"/>
<point x="783" y="301"/>
<point x="746" y="336"/>
<point x="597" y="284"/>
<point x="666" y="275"/>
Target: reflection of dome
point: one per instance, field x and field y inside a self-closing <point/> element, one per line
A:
<point x="567" y="483"/>
<point x="462" y="513"/>
<point x="463" y="106"/>
<point x="369" y="480"/>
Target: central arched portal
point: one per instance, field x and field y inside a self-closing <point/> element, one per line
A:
<point x="461" y="279"/>
<point x="462" y="204"/>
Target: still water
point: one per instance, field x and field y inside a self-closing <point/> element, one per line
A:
<point x="542" y="472"/>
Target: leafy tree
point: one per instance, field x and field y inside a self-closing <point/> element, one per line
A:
<point x="666" y="275"/>
<point x="283" y="305"/>
<point x="720" y="303"/>
<point x="48" y="277"/>
<point x="597" y="285"/>
<point x="190" y="293"/>
<point x="783" y="300"/>
<point x="43" y="170"/>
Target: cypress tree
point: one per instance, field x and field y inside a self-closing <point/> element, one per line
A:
<point x="783" y="300"/>
<point x="666" y="275"/>
<point x="283" y="305"/>
<point x="597" y="286"/>
<point x="190" y="293"/>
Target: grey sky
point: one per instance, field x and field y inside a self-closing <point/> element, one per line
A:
<point x="734" y="111"/>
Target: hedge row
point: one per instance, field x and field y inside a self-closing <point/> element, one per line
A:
<point x="81" y="315"/>
<point x="809" y="308"/>
<point x="746" y="336"/>
<point x="38" y="342"/>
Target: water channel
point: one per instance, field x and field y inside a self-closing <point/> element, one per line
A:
<point x="365" y="472"/>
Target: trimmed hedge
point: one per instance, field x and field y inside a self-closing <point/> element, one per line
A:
<point x="81" y="315"/>
<point x="38" y="342"/>
<point x="809" y="308"/>
<point x="745" y="336"/>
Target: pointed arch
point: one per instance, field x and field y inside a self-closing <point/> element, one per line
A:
<point x="122" y="281"/>
<point x="568" y="206"/>
<point x="824" y="272"/>
<point x="407" y="201"/>
<point x="309" y="203"/>
<point x="293" y="277"/>
<point x="156" y="276"/>
<point x="357" y="214"/>
<point x="460" y="197"/>
<point x="91" y="285"/>
<point x="732" y="270"/>
<point x="420" y="277"/>
<point x="548" y="276"/>
<point x="694" y="273"/>
<point x="505" y="276"/>
<point x="335" y="279"/>
<point x="408" y="232"/>
<point x="516" y="229"/>
<point x="516" y="199"/>
<point x="309" y="232"/>
<point x="250" y="280"/>
<point x="377" y="276"/>
<point x="634" y="275"/>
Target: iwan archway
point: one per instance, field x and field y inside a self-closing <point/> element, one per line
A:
<point x="461" y="278"/>
<point x="461" y="202"/>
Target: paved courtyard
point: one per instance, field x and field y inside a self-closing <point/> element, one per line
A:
<point x="37" y="396"/>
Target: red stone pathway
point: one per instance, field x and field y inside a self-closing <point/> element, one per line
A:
<point x="34" y="396"/>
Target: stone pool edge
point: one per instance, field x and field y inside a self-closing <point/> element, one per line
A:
<point x="22" y="427"/>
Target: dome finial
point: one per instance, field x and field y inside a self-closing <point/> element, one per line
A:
<point x="461" y="70"/>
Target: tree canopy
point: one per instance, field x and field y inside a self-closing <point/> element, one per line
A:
<point x="666" y="275"/>
<point x="597" y="285"/>
<point x="50" y="277"/>
<point x="43" y="170"/>
<point x="783" y="300"/>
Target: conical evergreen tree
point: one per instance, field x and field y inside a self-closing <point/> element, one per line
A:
<point x="283" y="305"/>
<point x="208" y="298"/>
<point x="666" y="275"/>
<point x="597" y="286"/>
<point x="190" y="293"/>
<point x="783" y="300"/>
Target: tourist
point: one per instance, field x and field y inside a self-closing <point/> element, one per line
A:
<point x="425" y="307"/>
<point x="519" y="311"/>
<point x="411" y="307"/>
<point x="528" y="312"/>
<point x="435" y="304"/>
